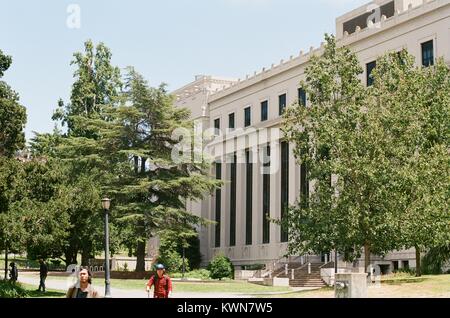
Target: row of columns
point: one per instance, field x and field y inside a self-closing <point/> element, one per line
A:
<point x="257" y="197"/>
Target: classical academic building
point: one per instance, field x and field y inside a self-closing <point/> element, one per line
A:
<point x="246" y="114"/>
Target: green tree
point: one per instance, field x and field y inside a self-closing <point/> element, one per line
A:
<point x="97" y="83"/>
<point x="186" y="240"/>
<point x="127" y="149"/>
<point x="341" y="140"/>
<point x="12" y="232"/>
<point x="134" y="153"/>
<point x="12" y="115"/>
<point x="221" y="267"/>
<point x="416" y="107"/>
<point x="12" y="139"/>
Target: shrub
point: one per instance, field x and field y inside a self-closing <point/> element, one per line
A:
<point x="254" y="267"/>
<point x="10" y="290"/>
<point x="202" y="274"/>
<point x="172" y="243"/>
<point x="173" y="261"/>
<point x="407" y="271"/>
<point x="434" y="261"/>
<point x="221" y="267"/>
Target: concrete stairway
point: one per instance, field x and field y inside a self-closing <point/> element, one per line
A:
<point x="301" y="276"/>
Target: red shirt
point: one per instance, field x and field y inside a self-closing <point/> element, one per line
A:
<point x="162" y="287"/>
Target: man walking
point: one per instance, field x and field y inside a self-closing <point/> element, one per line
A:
<point x="161" y="282"/>
<point x="43" y="270"/>
<point x="13" y="273"/>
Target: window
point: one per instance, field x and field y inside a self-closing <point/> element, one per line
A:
<point x="302" y="96"/>
<point x="233" y="201"/>
<point x="369" y="68"/>
<point x="231" y="123"/>
<point x="249" y="198"/>
<point x="304" y="184"/>
<point x="248" y="116"/>
<point x="284" y="189"/>
<point x="282" y="103"/>
<point x="264" y="111"/>
<point x="218" y="204"/>
<point x="217" y="126"/>
<point x="405" y="264"/>
<point x="428" y="53"/>
<point x="395" y="265"/>
<point x="266" y="197"/>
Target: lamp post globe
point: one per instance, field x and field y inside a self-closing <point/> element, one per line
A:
<point x="106" y="203"/>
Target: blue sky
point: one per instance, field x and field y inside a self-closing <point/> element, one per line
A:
<point x="166" y="40"/>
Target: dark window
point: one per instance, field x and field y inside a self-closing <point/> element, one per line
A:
<point x="304" y="184"/>
<point x="362" y="20"/>
<point x="302" y="96"/>
<point x="369" y="69"/>
<point x="218" y="204"/>
<point x="284" y="189"/>
<point x="249" y="198"/>
<point x="266" y="197"/>
<point x="395" y="266"/>
<point x="217" y="126"/>
<point x="233" y="202"/>
<point x="427" y="54"/>
<point x="248" y="116"/>
<point x="282" y="103"/>
<point x="264" y="111"/>
<point x="231" y="123"/>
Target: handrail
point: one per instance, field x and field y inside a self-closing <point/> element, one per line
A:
<point x="320" y="267"/>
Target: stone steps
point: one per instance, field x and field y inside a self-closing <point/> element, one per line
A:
<point x="307" y="283"/>
<point x="301" y="276"/>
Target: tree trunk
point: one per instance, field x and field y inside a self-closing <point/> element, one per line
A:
<point x="143" y="161"/>
<point x="140" y="260"/>
<point x="136" y="164"/>
<point x="6" y="261"/>
<point x="85" y="253"/>
<point x="418" y="263"/>
<point x="366" y="257"/>
<point x="71" y="257"/>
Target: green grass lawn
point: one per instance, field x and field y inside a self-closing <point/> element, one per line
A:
<point x="200" y="287"/>
<point x="194" y="287"/>
<point x="393" y="286"/>
<point x="49" y="293"/>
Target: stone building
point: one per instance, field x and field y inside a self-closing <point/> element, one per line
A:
<point x="238" y="108"/>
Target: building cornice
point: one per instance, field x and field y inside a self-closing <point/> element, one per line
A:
<point x="303" y="58"/>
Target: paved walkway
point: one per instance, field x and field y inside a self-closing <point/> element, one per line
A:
<point x="63" y="285"/>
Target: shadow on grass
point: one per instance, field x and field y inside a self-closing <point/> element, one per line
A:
<point x="47" y="294"/>
<point x="404" y="281"/>
<point x="292" y="293"/>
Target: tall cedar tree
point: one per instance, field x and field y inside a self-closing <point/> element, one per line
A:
<point x="129" y="151"/>
<point x="97" y="83"/>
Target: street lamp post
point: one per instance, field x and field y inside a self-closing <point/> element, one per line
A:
<point x="335" y="261"/>
<point x="184" y="265"/>
<point x="106" y="203"/>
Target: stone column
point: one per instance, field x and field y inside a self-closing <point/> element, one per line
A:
<point x="257" y="198"/>
<point x="240" y="199"/>
<point x="275" y="182"/>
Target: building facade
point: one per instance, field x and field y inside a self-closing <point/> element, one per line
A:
<point x="243" y="110"/>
